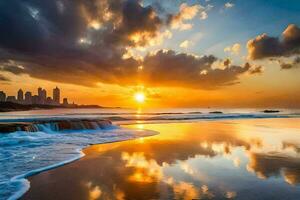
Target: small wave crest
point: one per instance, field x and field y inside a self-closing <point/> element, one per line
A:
<point x="48" y="125"/>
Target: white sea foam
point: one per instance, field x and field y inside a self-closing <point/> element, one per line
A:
<point x="23" y="154"/>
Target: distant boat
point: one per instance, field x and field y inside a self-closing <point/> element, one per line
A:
<point x="271" y="111"/>
<point x="216" y="112"/>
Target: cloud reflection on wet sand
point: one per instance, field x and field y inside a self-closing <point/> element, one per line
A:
<point x="203" y="160"/>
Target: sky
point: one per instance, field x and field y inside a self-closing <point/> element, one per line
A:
<point x="208" y="53"/>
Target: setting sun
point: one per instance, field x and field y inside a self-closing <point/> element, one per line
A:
<point x="139" y="97"/>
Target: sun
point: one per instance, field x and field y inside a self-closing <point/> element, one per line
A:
<point x="139" y="97"/>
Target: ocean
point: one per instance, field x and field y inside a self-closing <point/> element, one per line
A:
<point x="24" y="153"/>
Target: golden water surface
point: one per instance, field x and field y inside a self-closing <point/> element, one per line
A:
<point x="239" y="159"/>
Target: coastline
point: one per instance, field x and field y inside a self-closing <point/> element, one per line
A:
<point x="23" y="179"/>
<point x="12" y="107"/>
<point x="93" y="153"/>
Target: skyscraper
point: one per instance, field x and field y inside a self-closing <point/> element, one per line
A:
<point x="40" y="91"/>
<point x="2" y="96"/>
<point x="35" y="99"/>
<point x="49" y="101"/>
<point x="11" y="99"/>
<point x="56" y="95"/>
<point x="28" y="98"/>
<point x="43" y="96"/>
<point x="65" y="102"/>
<point x="20" y="96"/>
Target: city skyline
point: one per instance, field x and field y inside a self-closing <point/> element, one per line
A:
<point x="40" y="98"/>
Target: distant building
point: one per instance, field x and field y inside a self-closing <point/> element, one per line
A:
<point x="56" y="96"/>
<point x="43" y="96"/>
<point x="28" y="98"/>
<point x="49" y="101"/>
<point x="2" y="96"/>
<point x="11" y="99"/>
<point x="20" y="96"/>
<point x="65" y="102"/>
<point x="42" y="93"/>
<point x="35" y="99"/>
<point x="39" y="101"/>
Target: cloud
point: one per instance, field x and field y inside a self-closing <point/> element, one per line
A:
<point x="3" y="78"/>
<point x="184" y="190"/>
<point x="291" y="65"/>
<point x="188" y="12"/>
<point x="94" y="191"/>
<point x="180" y="69"/>
<point x="230" y="194"/>
<point x="12" y="67"/>
<point x="87" y="42"/>
<point x="185" y="13"/>
<point x="83" y="41"/>
<point x="265" y="166"/>
<point x="229" y="5"/>
<point x="234" y="49"/>
<point x="256" y="70"/>
<point x="203" y="15"/>
<point x="264" y="46"/>
<point x="291" y="145"/>
<point x="185" y="44"/>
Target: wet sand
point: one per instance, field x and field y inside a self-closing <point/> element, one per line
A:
<point x="242" y="159"/>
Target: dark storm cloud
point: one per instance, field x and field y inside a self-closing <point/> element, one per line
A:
<point x="74" y="38"/>
<point x="83" y="42"/>
<point x="170" y="68"/>
<point x="264" y="46"/>
<point x="30" y="24"/>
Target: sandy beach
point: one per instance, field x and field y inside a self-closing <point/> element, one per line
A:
<point x="242" y="159"/>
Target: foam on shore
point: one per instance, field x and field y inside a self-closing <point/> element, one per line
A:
<point x="28" y="149"/>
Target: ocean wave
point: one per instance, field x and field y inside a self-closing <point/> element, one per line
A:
<point x="152" y="117"/>
<point x="24" y="154"/>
